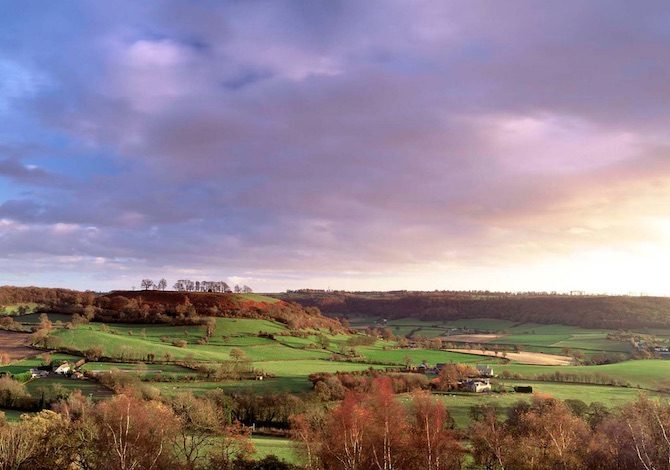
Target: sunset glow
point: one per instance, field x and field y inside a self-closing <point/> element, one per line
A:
<point x="348" y="145"/>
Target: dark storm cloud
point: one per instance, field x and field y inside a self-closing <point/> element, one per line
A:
<point x="332" y="137"/>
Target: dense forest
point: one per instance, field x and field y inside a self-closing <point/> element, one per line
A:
<point x="615" y="312"/>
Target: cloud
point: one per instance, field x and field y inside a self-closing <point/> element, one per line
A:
<point x="284" y="141"/>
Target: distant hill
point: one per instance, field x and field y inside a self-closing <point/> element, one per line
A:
<point x="613" y="312"/>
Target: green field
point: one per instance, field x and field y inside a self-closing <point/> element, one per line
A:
<point x="288" y="360"/>
<point x="14" y="308"/>
<point x="87" y="387"/>
<point x="138" y="341"/>
<point x="651" y="374"/>
<point x="459" y="404"/>
<point x="530" y="336"/>
<point x="25" y="365"/>
<point x="279" y="446"/>
<point x="147" y="370"/>
<point x="397" y="356"/>
<point x="258" y="298"/>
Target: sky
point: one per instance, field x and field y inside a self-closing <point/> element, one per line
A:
<point x="359" y="145"/>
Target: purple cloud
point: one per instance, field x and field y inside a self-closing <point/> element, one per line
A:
<point x="355" y="144"/>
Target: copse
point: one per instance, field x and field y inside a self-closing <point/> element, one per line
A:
<point x="376" y="431"/>
<point x="126" y="433"/>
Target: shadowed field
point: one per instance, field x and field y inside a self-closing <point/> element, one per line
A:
<point x="15" y="345"/>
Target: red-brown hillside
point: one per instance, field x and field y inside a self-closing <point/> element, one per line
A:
<point x="137" y="305"/>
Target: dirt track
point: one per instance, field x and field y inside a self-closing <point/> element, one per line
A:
<point x="532" y="358"/>
<point x="15" y="345"/>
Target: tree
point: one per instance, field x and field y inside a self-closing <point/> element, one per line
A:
<point x="436" y="446"/>
<point x="343" y="438"/>
<point x="93" y="353"/>
<point x="233" y="444"/>
<point x="323" y="341"/>
<point x="199" y="419"/>
<point x="147" y="284"/>
<point x="537" y="435"/>
<point x="389" y="427"/>
<point x="45" y="323"/>
<point x="246" y="289"/>
<point x="162" y="284"/>
<point x="452" y="374"/>
<point x="237" y="354"/>
<point x="135" y="434"/>
<point x="11" y="391"/>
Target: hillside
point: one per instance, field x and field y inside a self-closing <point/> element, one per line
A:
<point x="164" y="306"/>
<point x="143" y="305"/>
<point x="613" y="312"/>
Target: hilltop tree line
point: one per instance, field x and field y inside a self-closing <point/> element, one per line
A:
<point x="586" y="311"/>
<point x="187" y="285"/>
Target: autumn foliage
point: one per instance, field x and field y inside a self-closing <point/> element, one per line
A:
<point x="376" y="431"/>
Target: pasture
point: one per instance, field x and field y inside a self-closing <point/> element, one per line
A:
<point x="289" y="358"/>
<point x="460" y="404"/>
<point x="551" y="339"/>
<point x="279" y="446"/>
<point x="648" y="374"/>
<point x="53" y="384"/>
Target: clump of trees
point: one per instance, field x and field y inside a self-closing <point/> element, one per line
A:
<point x="187" y="285"/>
<point x="127" y="432"/>
<point x="376" y="431"/>
<point x="330" y="387"/>
<point x="550" y="434"/>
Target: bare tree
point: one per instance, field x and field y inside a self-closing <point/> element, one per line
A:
<point x="147" y="284"/>
<point x="162" y="284"/>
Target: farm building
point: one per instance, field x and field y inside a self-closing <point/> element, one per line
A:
<point x="38" y="373"/>
<point x="485" y="371"/>
<point x="64" y="368"/>
<point x="476" y="385"/>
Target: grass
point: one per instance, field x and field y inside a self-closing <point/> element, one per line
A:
<point x="25" y="365"/>
<point x="147" y="369"/>
<point x="14" y="308"/>
<point x="258" y="298"/>
<point x="651" y="374"/>
<point x="459" y="404"/>
<point x="376" y="353"/>
<point x="532" y="336"/>
<point x="279" y="446"/>
<point x="87" y="387"/>
<point x="290" y="361"/>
